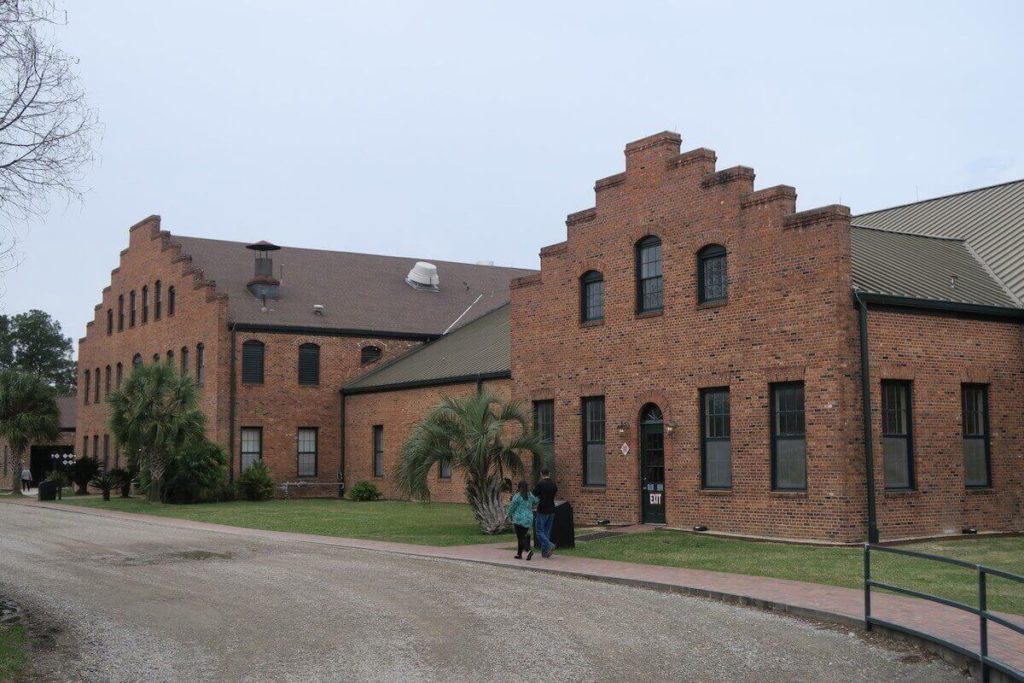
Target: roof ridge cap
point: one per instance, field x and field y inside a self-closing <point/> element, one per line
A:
<point x="992" y="273"/>
<point x="943" y="196"/>
<point x="909" y="234"/>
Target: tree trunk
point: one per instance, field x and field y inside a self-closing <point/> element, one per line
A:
<point x="156" y="475"/>
<point x="16" y="477"/>
<point x="485" y="497"/>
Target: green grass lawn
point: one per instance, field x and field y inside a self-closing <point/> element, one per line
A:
<point x="829" y="565"/>
<point x="438" y="524"/>
<point x="13" y="646"/>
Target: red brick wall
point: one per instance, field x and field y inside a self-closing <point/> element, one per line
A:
<point x="937" y="353"/>
<point x="786" y="319"/>
<point x="398" y="412"/>
<point x="281" y="405"/>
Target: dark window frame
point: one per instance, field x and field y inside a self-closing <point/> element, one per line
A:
<point x="136" y="361"/>
<point x="370" y="354"/>
<point x="795" y="436"/>
<point x="985" y="437"/>
<point x="171" y="301"/>
<point x="705" y="257"/>
<point x="444" y="470"/>
<point x="120" y="312"/>
<point x="241" y="447"/>
<point x="378" y="451"/>
<point x="96" y="394"/>
<point x="106" y="381"/>
<point x="704" y="438"/>
<point x="88" y="384"/>
<point x="309" y="365"/>
<point x="252" y="374"/>
<point x="650" y="242"/>
<point x="588" y="442"/>
<point x="591" y="288"/>
<point x="886" y="433"/>
<point x="145" y="304"/>
<point x="299" y="452"/>
<point x="200" y="364"/>
<point x="157" y="299"/>
<point x="120" y="375"/>
<point x="110" y="321"/>
<point x="183" y="361"/>
<point x="131" y="308"/>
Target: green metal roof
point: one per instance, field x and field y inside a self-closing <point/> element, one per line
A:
<point x="985" y="228"/>
<point x="916" y="267"/>
<point x="481" y="348"/>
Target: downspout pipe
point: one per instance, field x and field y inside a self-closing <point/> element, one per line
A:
<point x="341" y="431"/>
<point x="869" y="442"/>
<point x="231" y="411"/>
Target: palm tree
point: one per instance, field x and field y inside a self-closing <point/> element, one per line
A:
<point x="469" y="434"/>
<point x="153" y="417"/>
<point x="28" y="413"/>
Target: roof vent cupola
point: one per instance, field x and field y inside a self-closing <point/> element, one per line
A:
<point x="264" y="285"/>
<point x="424" y="276"/>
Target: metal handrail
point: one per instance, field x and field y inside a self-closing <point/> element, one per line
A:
<point x="984" y="616"/>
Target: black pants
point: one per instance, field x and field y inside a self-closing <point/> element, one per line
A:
<point x="522" y="539"/>
<point x="25" y="484"/>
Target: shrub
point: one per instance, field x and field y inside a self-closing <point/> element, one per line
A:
<point x="255" y="482"/>
<point x="196" y="475"/>
<point x="124" y="480"/>
<point x="104" y="481"/>
<point x="82" y="473"/>
<point x="364" y="491"/>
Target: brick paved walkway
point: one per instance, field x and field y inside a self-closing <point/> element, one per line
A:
<point x="827" y="603"/>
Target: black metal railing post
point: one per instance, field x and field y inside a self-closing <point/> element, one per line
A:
<point x="983" y="624"/>
<point x="867" y="586"/>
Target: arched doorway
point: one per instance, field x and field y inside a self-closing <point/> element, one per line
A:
<point x="652" y="465"/>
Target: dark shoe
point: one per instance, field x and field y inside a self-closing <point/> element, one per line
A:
<point x="529" y="555"/>
<point x="518" y="557"/>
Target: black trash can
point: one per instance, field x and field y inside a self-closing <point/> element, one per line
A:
<point x="47" y="490"/>
<point x="563" y="528"/>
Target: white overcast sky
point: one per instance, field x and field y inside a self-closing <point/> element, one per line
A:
<point x="466" y="131"/>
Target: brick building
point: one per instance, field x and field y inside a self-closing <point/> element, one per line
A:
<point x="39" y="456"/>
<point x="270" y="334"/>
<point x="693" y="352"/>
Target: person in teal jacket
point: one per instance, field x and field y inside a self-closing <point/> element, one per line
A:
<point x="520" y="511"/>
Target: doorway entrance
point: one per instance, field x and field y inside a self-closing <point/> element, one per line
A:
<point x="652" y="465"/>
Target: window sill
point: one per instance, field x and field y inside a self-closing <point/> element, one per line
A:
<point x="593" y="488"/>
<point x="980" y="490"/>
<point x="712" y="304"/>
<point x="789" y="494"/>
<point x="649" y="314"/>
<point x="592" y="323"/>
<point x="897" y="493"/>
<point x="715" y="492"/>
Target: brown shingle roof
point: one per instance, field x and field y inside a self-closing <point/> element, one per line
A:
<point x="362" y="292"/>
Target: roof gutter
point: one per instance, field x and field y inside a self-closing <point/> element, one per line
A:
<point x="417" y="384"/>
<point x="864" y="298"/>
<point x="331" y="331"/>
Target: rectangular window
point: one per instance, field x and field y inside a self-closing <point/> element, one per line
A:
<point x="716" y="444"/>
<point x="544" y="426"/>
<point x="897" y="435"/>
<point x="444" y="470"/>
<point x="252" y="362"/>
<point x="649" y="282"/>
<point x="789" y="440"/>
<point x="592" y="302"/>
<point x="106" y="450"/>
<point x="157" y="300"/>
<point x="309" y="364"/>
<point x="85" y="394"/>
<point x="378" y="451"/>
<point x="120" y="312"/>
<point x="307" y="452"/>
<point x="593" y="442"/>
<point x="145" y="305"/>
<point x="85" y="447"/>
<point x="252" y="446"/>
<point x="96" y="446"/>
<point x="977" y="455"/>
<point x="131" y="308"/>
<point x="200" y="364"/>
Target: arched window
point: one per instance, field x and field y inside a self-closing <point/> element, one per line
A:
<point x="156" y="357"/>
<point x="711" y="275"/>
<point x="131" y="308"/>
<point x="648" y="275"/>
<point x="184" y="361"/>
<point x="120" y="374"/>
<point x="200" y="363"/>
<point x="157" y="303"/>
<point x="110" y="321"/>
<point x="106" y="382"/>
<point x="170" y="357"/>
<point x="96" y="394"/>
<point x="137" y="360"/>
<point x="86" y="393"/>
<point x="120" y="312"/>
<point x="370" y="354"/>
<point x="145" y="303"/>
<point x="170" y="301"/>
<point x="252" y="362"/>
<point x="309" y="364"/>
<point x="591" y="296"/>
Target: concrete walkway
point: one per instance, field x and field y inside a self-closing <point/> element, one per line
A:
<point x="826" y="603"/>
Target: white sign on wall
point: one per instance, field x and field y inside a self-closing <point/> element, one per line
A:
<point x="625" y="449"/>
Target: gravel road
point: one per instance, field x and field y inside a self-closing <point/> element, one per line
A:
<point x="128" y="600"/>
